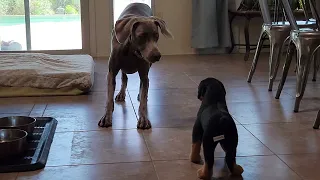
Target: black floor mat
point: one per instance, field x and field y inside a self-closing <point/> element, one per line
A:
<point x="36" y="155"/>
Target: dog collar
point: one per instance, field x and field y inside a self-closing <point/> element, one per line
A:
<point x="138" y="54"/>
<point x="115" y="35"/>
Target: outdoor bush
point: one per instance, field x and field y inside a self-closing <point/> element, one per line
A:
<point x="70" y="10"/>
<point x="16" y="7"/>
<point x="41" y="7"/>
<point x="75" y="4"/>
<point x="4" y="6"/>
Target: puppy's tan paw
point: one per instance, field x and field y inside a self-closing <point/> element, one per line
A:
<point x="195" y="153"/>
<point x="203" y="174"/>
<point x="105" y="121"/>
<point x="195" y="158"/>
<point x="237" y="170"/>
<point x="143" y="123"/>
<point x="121" y="96"/>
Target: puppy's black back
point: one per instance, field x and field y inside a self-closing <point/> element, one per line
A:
<point x="216" y="121"/>
<point x="219" y="125"/>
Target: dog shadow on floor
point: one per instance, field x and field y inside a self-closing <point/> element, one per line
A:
<point x="228" y="178"/>
<point x="225" y="176"/>
<point x="221" y="172"/>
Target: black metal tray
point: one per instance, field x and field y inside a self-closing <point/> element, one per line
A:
<point x="36" y="155"/>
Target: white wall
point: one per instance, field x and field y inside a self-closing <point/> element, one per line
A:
<point x="176" y="13"/>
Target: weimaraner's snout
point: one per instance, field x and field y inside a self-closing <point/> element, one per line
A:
<point x="151" y="52"/>
<point x="156" y="57"/>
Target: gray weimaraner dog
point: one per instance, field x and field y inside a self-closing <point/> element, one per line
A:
<point x="134" y="49"/>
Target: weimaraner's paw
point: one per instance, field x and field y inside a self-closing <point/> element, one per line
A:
<point x="138" y="97"/>
<point x="105" y="121"/>
<point x="143" y="123"/>
<point x="120" y="97"/>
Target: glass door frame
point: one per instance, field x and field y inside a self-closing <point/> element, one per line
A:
<point x="85" y="30"/>
<point x="112" y="11"/>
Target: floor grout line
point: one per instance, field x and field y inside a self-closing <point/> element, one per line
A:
<point x="45" y="108"/>
<point x="258" y="139"/>
<point x="145" y="141"/>
<point x="91" y="164"/>
<point x="149" y="152"/>
<point x="162" y="160"/>
<point x="32" y="109"/>
<point x="272" y="152"/>
<point x="289" y="167"/>
<point x="133" y="105"/>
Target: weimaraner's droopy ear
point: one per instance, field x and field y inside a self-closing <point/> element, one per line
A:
<point x="124" y="30"/>
<point x="163" y="27"/>
<point x="125" y="27"/>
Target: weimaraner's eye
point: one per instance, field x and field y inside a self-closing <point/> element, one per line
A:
<point x="142" y="38"/>
<point x="156" y="36"/>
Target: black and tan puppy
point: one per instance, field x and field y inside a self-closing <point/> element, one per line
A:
<point x="214" y="125"/>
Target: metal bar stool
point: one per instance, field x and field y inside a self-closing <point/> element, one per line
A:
<point x="306" y="42"/>
<point x="316" y="15"/>
<point x="317" y="121"/>
<point x="277" y="32"/>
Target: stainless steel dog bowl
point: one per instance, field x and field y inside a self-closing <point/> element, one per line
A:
<point x="18" y="122"/>
<point x="12" y="142"/>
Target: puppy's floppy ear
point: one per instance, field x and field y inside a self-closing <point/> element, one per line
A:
<point x="222" y="88"/>
<point x="163" y="27"/>
<point x="201" y="90"/>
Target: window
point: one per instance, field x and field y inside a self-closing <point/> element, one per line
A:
<point x="119" y="5"/>
<point x="40" y="25"/>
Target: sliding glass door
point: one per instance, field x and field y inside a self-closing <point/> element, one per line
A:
<point x="37" y="25"/>
<point x="12" y="25"/>
<point x="119" y="5"/>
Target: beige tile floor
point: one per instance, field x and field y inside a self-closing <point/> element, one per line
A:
<point x="274" y="142"/>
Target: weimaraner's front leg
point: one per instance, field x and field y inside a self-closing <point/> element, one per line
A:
<point x="138" y="97"/>
<point x="106" y="120"/>
<point x="143" y="122"/>
<point x="122" y="94"/>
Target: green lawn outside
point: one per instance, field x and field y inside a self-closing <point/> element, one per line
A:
<point x="16" y="20"/>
